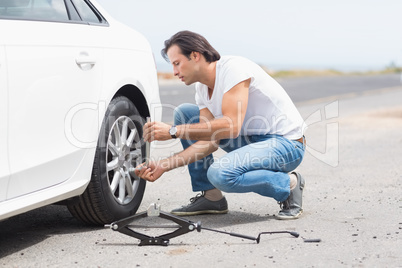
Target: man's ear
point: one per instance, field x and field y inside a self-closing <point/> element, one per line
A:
<point x="196" y="55"/>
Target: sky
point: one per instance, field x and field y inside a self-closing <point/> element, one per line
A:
<point x="345" y="35"/>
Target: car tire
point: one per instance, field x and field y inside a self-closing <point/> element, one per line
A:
<point x="114" y="192"/>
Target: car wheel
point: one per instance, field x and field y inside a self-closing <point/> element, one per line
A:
<point x="114" y="191"/>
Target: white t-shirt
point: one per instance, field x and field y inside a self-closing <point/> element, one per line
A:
<point x="269" y="111"/>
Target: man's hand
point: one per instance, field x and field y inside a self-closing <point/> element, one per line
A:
<point x="156" y="131"/>
<point x="151" y="172"/>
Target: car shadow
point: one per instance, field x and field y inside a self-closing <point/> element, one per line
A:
<point x="33" y="227"/>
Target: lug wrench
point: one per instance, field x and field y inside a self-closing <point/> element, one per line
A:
<point x="183" y="226"/>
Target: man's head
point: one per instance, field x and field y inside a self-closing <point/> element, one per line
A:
<point x="191" y="56"/>
<point x="189" y="42"/>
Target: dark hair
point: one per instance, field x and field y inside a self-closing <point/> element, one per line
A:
<point x="191" y="42"/>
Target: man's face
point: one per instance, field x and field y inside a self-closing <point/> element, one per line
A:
<point x="183" y="67"/>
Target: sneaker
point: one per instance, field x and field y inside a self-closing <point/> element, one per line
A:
<point x="200" y="205"/>
<point x="291" y="208"/>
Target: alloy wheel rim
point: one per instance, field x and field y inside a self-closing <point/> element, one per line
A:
<point x="123" y="154"/>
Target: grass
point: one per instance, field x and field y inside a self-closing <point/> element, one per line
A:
<point x="308" y="73"/>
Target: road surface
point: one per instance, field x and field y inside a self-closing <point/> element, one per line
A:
<point x="352" y="202"/>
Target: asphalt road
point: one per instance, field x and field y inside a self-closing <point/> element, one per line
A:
<point x="300" y="89"/>
<point x="352" y="202"/>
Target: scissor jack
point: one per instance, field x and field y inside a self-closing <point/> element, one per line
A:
<point x="183" y="226"/>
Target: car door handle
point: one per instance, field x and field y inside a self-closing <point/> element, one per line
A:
<point x="85" y="60"/>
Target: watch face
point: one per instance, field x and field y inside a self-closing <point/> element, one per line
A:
<point x="173" y="130"/>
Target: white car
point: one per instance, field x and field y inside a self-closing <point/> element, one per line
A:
<point x="76" y="87"/>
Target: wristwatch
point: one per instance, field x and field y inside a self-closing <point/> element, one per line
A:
<point x="173" y="131"/>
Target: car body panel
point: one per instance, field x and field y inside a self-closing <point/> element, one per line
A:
<point x="75" y="186"/>
<point x="56" y="109"/>
<point x="4" y="166"/>
<point x="38" y="102"/>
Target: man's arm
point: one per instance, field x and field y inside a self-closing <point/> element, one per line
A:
<point x="234" y="107"/>
<point x="196" y="151"/>
<point x="191" y="154"/>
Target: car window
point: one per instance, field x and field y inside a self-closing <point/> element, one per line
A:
<point x="86" y="12"/>
<point x="47" y="10"/>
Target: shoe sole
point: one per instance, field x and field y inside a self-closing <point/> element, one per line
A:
<point x="192" y="213"/>
<point x="293" y="217"/>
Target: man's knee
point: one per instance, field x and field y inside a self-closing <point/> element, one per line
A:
<point x="219" y="178"/>
<point x="185" y="113"/>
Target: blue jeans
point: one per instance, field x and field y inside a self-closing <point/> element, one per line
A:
<point x="257" y="163"/>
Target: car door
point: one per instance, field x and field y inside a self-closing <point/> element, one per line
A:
<point x="54" y="66"/>
<point x="4" y="167"/>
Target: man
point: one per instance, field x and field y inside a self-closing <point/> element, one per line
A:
<point x="241" y="109"/>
